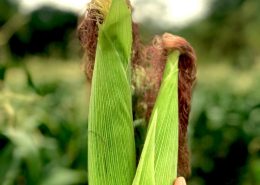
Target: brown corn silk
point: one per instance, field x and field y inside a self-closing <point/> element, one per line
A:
<point x="148" y="63"/>
<point x="88" y="34"/>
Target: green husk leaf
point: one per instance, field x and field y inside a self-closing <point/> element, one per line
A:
<point x="111" y="148"/>
<point x="145" y="172"/>
<point x="165" y="143"/>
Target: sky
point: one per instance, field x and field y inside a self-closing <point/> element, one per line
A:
<point x="170" y="12"/>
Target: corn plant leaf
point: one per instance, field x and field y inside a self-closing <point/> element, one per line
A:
<point x="111" y="148"/>
<point x="165" y="142"/>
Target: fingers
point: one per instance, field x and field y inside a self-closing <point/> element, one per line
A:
<point x="180" y="181"/>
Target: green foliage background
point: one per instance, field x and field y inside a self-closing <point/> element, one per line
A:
<point x="44" y="99"/>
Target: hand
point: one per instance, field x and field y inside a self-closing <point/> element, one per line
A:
<point x="180" y="181"/>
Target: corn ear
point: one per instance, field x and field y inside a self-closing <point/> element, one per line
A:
<point x="111" y="148"/>
<point x="164" y="125"/>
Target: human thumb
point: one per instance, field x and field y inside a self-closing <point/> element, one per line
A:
<point x="180" y="181"/>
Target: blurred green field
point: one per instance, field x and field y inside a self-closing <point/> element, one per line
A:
<point x="225" y="125"/>
<point x="43" y="124"/>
